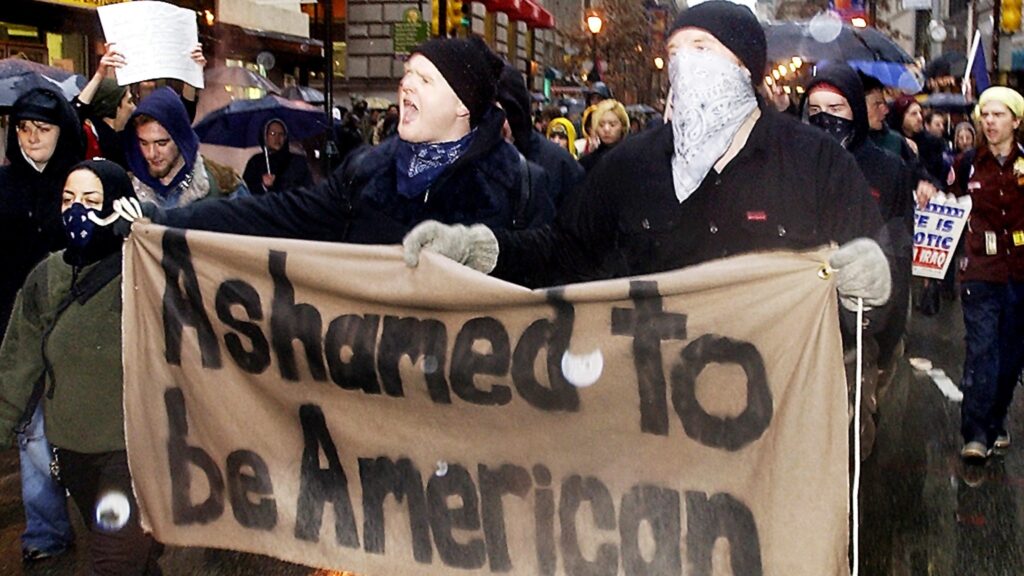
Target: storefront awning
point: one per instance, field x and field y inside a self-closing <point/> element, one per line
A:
<point x="527" y="11"/>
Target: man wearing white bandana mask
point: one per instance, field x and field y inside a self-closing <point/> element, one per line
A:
<point x="722" y="177"/>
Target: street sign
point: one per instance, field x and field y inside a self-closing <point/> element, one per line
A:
<point x="409" y="33"/>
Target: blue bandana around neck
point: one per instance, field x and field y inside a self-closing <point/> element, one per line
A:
<point x="419" y="165"/>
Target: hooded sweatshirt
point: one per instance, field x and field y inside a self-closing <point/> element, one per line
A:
<point x="30" y="224"/>
<point x="164" y="105"/>
<point x="290" y="170"/>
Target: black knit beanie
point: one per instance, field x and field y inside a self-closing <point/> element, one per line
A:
<point x="469" y="67"/>
<point x="735" y="26"/>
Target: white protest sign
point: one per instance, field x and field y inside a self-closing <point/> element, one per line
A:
<point x="156" y="39"/>
<point x="937" y="230"/>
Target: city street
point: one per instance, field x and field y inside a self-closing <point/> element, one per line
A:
<point x="923" y="511"/>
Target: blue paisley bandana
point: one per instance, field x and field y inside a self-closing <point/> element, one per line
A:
<point x="419" y="165"/>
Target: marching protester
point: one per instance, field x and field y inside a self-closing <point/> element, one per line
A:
<point x="835" y="103"/>
<point x="563" y="172"/>
<point x="449" y="163"/>
<point x="63" y="351"/>
<point x="275" y="167"/>
<point x="935" y="124"/>
<point x="45" y="141"/>
<point x="963" y="138"/>
<point x="563" y="134"/>
<point x="163" y="156"/>
<point x="104" y="107"/>
<point x="906" y="117"/>
<point x="891" y="141"/>
<point x="610" y="123"/>
<point x="598" y="92"/>
<point x="992" y="275"/>
<point x="668" y="197"/>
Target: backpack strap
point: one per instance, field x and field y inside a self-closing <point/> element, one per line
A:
<point x="521" y="203"/>
<point x="82" y="290"/>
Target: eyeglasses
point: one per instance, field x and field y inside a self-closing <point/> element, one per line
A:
<point x="275" y="133"/>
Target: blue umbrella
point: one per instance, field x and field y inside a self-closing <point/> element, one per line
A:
<point x="897" y="75"/>
<point x="240" y="123"/>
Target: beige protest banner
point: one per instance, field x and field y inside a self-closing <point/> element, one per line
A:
<point x="326" y="405"/>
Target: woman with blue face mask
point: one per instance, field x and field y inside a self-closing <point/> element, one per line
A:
<point x="64" y="347"/>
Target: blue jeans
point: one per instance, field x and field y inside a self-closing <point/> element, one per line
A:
<point x="994" y="323"/>
<point x="47" y="526"/>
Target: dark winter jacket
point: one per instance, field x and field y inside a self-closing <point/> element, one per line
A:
<point x="30" y="224"/>
<point x="564" y="172"/>
<point x="588" y="161"/>
<point x="359" y="202"/>
<point x="790" y="187"/>
<point x="290" y="170"/>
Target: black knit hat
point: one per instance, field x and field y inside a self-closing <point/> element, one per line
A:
<point x="733" y="25"/>
<point x="469" y="67"/>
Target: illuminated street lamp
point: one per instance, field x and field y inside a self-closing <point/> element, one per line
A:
<point x="594" y="24"/>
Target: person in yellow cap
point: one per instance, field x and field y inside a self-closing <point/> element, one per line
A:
<point x="992" y="277"/>
<point x="562" y="132"/>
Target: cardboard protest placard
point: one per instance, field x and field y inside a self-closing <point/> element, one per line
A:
<point x="937" y="230"/>
<point x="326" y="405"/>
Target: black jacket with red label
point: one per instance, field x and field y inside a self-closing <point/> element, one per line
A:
<point x="791" y="187"/>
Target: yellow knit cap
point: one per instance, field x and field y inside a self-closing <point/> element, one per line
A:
<point x="1007" y="96"/>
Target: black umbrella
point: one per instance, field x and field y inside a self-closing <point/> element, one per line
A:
<point x="949" y="64"/>
<point x="18" y="76"/>
<point x="864" y="49"/>
<point x="948" y="102"/>
<point x="789" y="39"/>
<point x="303" y="93"/>
<point x="240" y="123"/>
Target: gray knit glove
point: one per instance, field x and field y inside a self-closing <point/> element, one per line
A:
<point x="474" y="246"/>
<point x="862" y="271"/>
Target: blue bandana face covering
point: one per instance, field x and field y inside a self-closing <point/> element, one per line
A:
<point x="419" y="165"/>
<point x="78" y="226"/>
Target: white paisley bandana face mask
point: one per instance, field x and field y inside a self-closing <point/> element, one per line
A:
<point x="711" y="98"/>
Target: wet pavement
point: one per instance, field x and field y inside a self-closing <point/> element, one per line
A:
<point x="924" y="513"/>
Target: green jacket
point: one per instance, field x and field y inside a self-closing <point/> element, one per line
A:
<point x="84" y="349"/>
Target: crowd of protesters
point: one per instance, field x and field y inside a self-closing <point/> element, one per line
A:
<point x="463" y="164"/>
